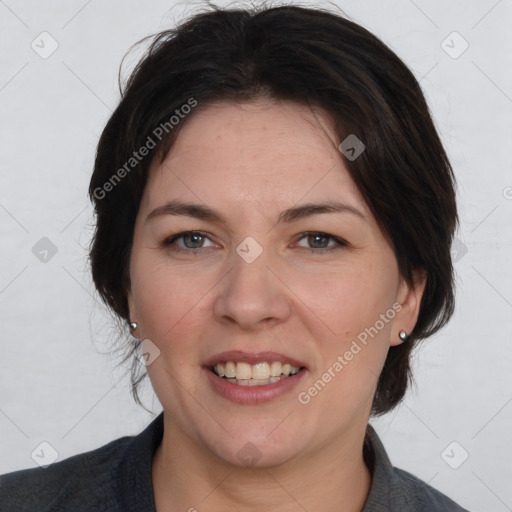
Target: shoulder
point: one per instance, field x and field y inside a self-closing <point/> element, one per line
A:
<point x="422" y="497"/>
<point x="81" y="482"/>
<point x="396" y="490"/>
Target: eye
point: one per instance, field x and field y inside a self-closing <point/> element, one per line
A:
<point x="319" y="242"/>
<point x="192" y="241"/>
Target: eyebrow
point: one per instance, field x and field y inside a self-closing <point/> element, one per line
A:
<point x="289" y="215"/>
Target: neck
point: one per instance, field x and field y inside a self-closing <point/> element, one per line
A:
<point x="332" y="477"/>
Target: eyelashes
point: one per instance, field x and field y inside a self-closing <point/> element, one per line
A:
<point x="171" y="242"/>
<point x="315" y="235"/>
<point x="195" y="237"/>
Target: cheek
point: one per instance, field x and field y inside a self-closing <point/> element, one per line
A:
<point x="349" y="304"/>
<point x="168" y="301"/>
<point x="354" y="346"/>
<point x="347" y="301"/>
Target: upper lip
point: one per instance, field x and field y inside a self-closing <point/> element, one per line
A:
<point x="252" y="358"/>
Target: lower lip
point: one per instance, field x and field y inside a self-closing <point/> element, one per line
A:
<point x="251" y="395"/>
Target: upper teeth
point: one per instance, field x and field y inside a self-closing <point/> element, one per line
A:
<point x="259" y="371"/>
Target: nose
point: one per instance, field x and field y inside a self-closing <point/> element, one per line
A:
<point x="252" y="296"/>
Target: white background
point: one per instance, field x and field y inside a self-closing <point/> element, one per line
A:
<point x="57" y="383"/>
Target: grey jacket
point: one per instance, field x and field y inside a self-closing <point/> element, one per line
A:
<point x="117" y="478"/>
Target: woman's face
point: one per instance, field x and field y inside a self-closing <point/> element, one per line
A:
<point x="257" y="282"/>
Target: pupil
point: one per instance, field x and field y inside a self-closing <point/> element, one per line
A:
<point x="193" y="236"/>
<point x="315" y="238"/>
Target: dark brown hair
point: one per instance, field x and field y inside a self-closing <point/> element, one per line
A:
<point x="314" y="57"/>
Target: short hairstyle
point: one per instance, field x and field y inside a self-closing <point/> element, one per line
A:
<point x="313" y="57"/>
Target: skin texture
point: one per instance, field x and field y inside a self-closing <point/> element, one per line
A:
<point x="251" y="161"/>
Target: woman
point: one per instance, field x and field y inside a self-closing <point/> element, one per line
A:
<point x="274" y="218"/>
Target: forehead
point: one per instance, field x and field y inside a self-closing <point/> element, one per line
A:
<point x="264" y="153"/>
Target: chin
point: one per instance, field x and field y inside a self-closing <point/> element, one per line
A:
<point x="261" y="447"/>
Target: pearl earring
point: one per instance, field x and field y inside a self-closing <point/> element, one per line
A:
<point x="403" y="335"/>
<point x="133" y="326"/>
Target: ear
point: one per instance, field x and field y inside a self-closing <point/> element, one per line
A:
<point x="409" y="297"/>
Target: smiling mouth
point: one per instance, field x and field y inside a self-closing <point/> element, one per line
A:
<point x="260" y="374"/>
